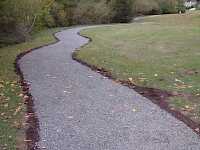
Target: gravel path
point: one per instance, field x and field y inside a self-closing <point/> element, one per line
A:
<point x="79" y="109"/>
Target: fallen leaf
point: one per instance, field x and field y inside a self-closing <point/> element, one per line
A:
<point x="67" y="92"/>
<point x="26" y="97"/>
<point x="134" y="110"/>
<point x="21" y="95"/>
<point x="7" y="98"/>
<point x="70" y="117"/>
<point x="130" y="79"/>
<point x="27" y="140"/>
<point x="1" y="85"/>
<point x="14" y="82"/>
<point x="142" y="79"/>
<point x="187" y="107"/>
<point x="177" y="80"/>
<point x="197" y="129"/>
<point x="12" y="85"/>
<point x="6" y="105"/>
<point x="17" y="110"/>
<point x="17" y="125"/>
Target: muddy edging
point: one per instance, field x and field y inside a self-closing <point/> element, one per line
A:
<point x="157" y="96"/>
<point x="32" y="123"/>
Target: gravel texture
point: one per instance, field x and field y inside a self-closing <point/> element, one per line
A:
<point x="79" y="109"/>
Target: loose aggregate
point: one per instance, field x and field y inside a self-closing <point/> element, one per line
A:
<point x="79" y="109"/>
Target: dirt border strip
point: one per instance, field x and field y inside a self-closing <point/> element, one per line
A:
<point x="32" y="123"/>
<point x="157" y="96"/>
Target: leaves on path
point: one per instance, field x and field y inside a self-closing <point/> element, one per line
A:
<point x="134" y="110"/>
<point x="18" y="109"/>
<point x="90" y="76"/>
<point x="155" y="75"/>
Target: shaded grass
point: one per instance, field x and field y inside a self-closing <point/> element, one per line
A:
<point x="11" y="105"/>
<point x="159" y="52"/>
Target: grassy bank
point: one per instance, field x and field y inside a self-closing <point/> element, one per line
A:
<point x="11" y="104"/>
<point x="160" y="52"/>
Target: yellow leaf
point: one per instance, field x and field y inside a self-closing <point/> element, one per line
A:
<point x="1" y="85"/>
<point x="17" y="110"/>
<point x="134" y="110"/>
<point x="130" y="79"/>
<point x="187" y="107"/>
<point x="5" y="105"/>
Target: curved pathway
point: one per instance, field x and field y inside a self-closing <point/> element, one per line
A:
<point x="79" y="109"/>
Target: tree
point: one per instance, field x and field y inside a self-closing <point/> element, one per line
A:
<point x="122" y="10"/>
<point x="92" y="13"/>
<point x="19" y="18"/>
<point x="180" y="6"/>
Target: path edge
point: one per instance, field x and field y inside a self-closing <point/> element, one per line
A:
<point x="32" y="127"/>
<point x="156" y="96"/>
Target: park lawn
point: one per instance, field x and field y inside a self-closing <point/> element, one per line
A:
<point x="160" y="52"/>
<point x="12" y="108"/>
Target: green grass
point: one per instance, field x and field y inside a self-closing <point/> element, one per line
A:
<point x="11" y="104"/>
<point x="159" y="52"/>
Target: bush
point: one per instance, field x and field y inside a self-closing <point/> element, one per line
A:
<point x="59" y="15"/>
<point x="18" y="19"/>
<point x="49" y="21"/>
<point x="168" y="6"/>
<point x="92" y="13"/>
<point x="146" y="7"/>
<point x="198" y="5"/>
<point x="180" y="6"/>
<point x="122" y="10"/>
<point x="153" y="7"/>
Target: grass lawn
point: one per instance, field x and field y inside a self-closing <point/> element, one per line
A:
<point x="160" y="52"/>
<point x="11" y="105"/>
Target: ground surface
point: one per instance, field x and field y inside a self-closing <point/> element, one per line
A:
<point x="79" y="109"/>
<point x="159" y="52"/>
<point x="11" y="104"/>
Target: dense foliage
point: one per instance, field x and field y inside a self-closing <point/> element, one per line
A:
<point x="19" y="18"/>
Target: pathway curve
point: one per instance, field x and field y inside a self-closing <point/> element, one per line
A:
<point x="79" y="109"/>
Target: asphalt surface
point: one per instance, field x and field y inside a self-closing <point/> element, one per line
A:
<point x="79" y="109"/>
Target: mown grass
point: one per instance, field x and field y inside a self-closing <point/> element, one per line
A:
<point x="160" y="52"/>
<point x="11" y="104"/>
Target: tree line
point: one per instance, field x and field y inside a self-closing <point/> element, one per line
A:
<point x="20" y="18"/>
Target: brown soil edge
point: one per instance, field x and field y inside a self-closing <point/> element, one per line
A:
<point x="32" y="122"/>
<point x="157" y="96"/>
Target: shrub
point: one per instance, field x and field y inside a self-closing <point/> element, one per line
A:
<point x="59" y="15"/>
<point x="122" y="10"/>
<point x="180" y="6"/>
<point x="146" y="7"/>
<point x="168" y="6"/>
<point x="92" y="13"/>
<point x="18" y="19"/>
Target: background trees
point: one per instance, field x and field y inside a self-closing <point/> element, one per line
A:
<point x="92" y="12"/>
<point x="20" y="18"/>
<point x="122" y="10"/>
